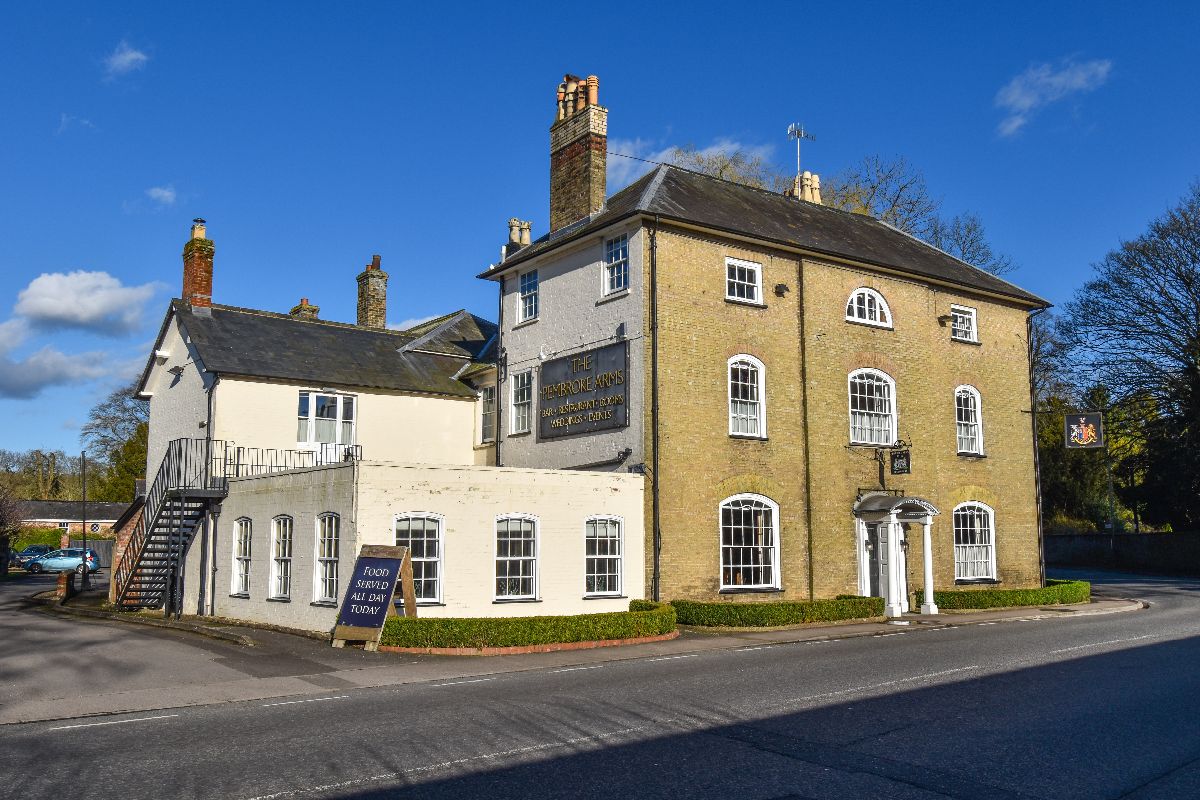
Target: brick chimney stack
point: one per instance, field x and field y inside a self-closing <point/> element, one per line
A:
<point x="372" y="296"/>
<point x="198" y="267"/>
<point x="304" y="310"/>
<point x="578" y="152"/>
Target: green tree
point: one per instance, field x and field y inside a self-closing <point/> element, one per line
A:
<point x="124" y="467"/>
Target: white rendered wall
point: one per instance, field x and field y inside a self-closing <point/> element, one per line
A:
<point x="178" y="404"/>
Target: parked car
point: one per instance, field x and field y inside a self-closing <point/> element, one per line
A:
<point x="30" y="553"/>
<point x="70" y="559"/>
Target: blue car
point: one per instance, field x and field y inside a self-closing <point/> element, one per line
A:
<point x="71" y="559"/>
<point x="30" y="553"/>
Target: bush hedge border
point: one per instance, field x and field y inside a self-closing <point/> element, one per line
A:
<point x="644" y="621"/>
<point x="772" y="614"/>
<point x="1055" y="592"/>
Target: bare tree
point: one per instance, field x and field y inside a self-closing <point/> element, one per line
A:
<point x="963" y="236"/>
<point x="114" y="421"/>
<point x="891" y="190"/>
<point x="739" y="166"/>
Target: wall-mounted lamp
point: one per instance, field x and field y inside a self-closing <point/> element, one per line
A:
<point x="781" y="289"/>
<point x="944" y="319"/>
<point x="176" y="370"/>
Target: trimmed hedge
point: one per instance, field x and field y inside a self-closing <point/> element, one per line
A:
<point x="643" y="619"/>
<point x="760" y="615"/>
<point x="24" y="537"/>
<point x="1055" y="592"/>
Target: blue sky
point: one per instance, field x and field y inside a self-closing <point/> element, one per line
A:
<point x="311" y="135"/>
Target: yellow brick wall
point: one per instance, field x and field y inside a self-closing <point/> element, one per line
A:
<point x="701" y="464"/>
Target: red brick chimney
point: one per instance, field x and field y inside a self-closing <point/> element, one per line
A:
<point x="372" y="296"/>
<point x="198" y="267"/>
<point x="304" y="310"/>
<point x="578" y="152"/>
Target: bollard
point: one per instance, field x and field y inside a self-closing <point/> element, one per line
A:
<point x="66" y="586"/>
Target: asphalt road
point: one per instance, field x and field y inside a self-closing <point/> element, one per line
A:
<point x="1088" y="707"/>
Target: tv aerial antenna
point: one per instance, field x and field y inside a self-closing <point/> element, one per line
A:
<point x="797" y="131"/>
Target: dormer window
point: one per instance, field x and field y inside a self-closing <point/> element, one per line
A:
<point x="962" y="324"/>
<point x="868" y="307"/>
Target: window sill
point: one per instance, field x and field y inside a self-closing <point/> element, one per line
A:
<point x="486" y="445"/>
<point x="505" y="600"/>
<point x="525" y="322"/>
<point x="975" y="342"/>
<point x="970" y="455"/>
<point x="323" y="604"/>
<point x="605" y="597"/>
<point x="734" y="301"/>
<point x="750" y="436"/>
<point x="870" y="445"/>
<point x="864" y="323"/>
<point x="279" y="599"/>
<point x="970" y="581"/>
<point x="519" y="433"/>
<point x="240" y="595"/>
<point x="608" y="298"/>
<point x="751" y="590"/>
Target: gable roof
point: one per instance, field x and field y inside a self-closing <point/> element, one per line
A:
<point x="69" y="510"/>
<point x="263" y="344"/>
<point x="676" y="194"/>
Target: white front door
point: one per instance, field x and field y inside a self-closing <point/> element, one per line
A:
<point x="884" y="565"/>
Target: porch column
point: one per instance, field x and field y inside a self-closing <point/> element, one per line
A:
<point x="894" y="606"/>
<point x="927" y="604"/>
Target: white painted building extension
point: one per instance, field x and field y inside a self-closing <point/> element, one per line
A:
<point x="487" y="541"/>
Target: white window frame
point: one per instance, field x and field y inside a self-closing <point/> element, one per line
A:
<point x="968" y="313"/>
<point x="618" y="557"/>
<point x="741" y="263"/>
<point x="615" y="276"/>
<point x="514" y="403"/>
<point x="280" y="587"/>
<point x="773" y="583"/>
<point x="528" y="298"/>
<point x="881" y="309"/>
<point x="893" y="412"/>
<point x="483" y="413"/>
<point x="340" y="423"/>
<point x="967" y="390"/>
<point x="326" y="567"/>
<point x="497" y="558"/>
<point x="966" y="556"/>
<point x="243" y="532"/>
<point x="439" y="563"/>
<point x="761" y="390"/>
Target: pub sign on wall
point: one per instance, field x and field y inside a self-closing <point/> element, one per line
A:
<point x="584" y="393"/>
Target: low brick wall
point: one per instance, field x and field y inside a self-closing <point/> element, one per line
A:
<point x="1165" y="553"/>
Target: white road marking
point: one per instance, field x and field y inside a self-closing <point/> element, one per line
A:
<point x="310" y="700"/>
<point x="456" y="683"/>
<point x="1101" y="644"/>
<point x="576" y="669"/>
<point x="749" y="649"/>
<point x="988" y="623"/>
<point x="672" y="658"/>
<point x="111" y="722"/>
<point x="883" y="685"/>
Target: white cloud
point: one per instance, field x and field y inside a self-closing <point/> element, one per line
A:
<point x="124" y="59"/>
<point x="405" y="324"/>
<point x="1043" y="84"/>
<point x="94" y="301"/>
<point x="163" y="195"/>
<point x="12" y="334"/>
<point x="45" y="368"/>
<point x="66" y="121"/>
<point x="646" y="154"/>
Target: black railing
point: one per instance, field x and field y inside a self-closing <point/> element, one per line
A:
<point x="242" y="462"/>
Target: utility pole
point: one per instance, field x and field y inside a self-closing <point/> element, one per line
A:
<point x="84" y="583"/>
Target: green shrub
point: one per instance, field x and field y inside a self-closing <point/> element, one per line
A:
<point x="27" y="536"/>
<point x="756" y="615"/>
<point x="1054" y="593"/>
<point x="655" y="620"/>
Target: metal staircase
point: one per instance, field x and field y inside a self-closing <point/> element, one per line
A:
<point x="192" y="477"/>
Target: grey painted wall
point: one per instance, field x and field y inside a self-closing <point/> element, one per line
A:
<point x="575" y="316"/>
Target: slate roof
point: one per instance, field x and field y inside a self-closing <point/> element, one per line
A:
<point x="676" y="194"/>
<point x="262" y="344"/>
<point x="70" y="510"/>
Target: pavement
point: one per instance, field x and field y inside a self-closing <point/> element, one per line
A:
<point x="181" y="664"/>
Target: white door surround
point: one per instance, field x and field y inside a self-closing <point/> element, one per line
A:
<point x="880" y="522"/>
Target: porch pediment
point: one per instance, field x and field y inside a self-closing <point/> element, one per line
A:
<point x="892" y="504"/>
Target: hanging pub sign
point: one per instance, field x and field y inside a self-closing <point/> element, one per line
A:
<point x="901" y="462"/>
<point x="368" y="601"/>
<point x="584" y="393"/>
<point x="1085" y="430"/>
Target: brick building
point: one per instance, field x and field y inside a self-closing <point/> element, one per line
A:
<point x="821" y="403"/>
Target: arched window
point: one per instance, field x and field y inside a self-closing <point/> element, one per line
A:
<point x="968" y="413"/>
<point x="872" y="407"/>
<point x="974" y="542"/>
<point x="747" y="397"/>
<point x="422" y="535"/>
<point x="749" y="542"/>
<point x="868" y="307"/>
<point x="281" y="558"/>
<point x="325" y="572"/>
